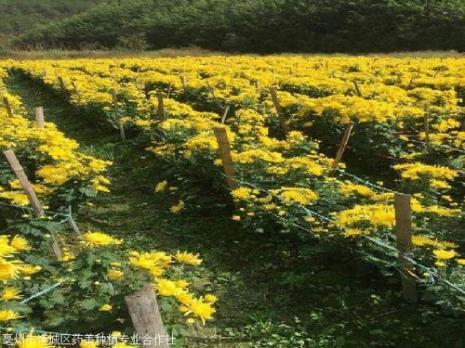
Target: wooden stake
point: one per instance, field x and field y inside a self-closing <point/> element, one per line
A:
<point x="168" y="93"/>
<point x="72" y="222"/>
<point x="275" y="99"/>
<point x="40" y="120"/>
<point x="410" y="84"/>
<point x="426" y="125"/>
<point x="226" y="111"/>
<point x="76" y="90"/>
<point x="57" y="249"/>
<point x="161" y="107"/>
<point x="8" y="108"/>
<point x="146" y="318"/>
<point x="24" y="181"/>
<point x="62" y="84"/>
<point x="31" y="195"/>
<point x="184" y="83"/>
<point x="343" y="144"/>
<point x="224" y="149"/>
<point x="357" y="88"/>
<point x="404" y="245"/>
<point x="122" y="133"/>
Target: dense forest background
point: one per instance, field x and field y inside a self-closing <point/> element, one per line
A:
<point x="261" y="26"/>
<point x="19" y="16"/>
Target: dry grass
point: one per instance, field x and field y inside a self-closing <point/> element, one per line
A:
<point x="66" y="54"/>
<point x="188" y="51"/>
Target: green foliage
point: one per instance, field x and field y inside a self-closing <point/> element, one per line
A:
<point x="262" y="25"/>
<point x="17" y="16"/>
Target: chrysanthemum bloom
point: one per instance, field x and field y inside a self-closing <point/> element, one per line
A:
<point x="8" y="314"/>
<point x="11" y="293"/>
<point x="188" y="258"/>
<point x="98" y="239"/>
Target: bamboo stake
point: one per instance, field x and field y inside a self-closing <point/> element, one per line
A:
<point x="224" y="149"/>
<point x="403" y="230"/>
<point x="146" y="318"/>
<point x="9" y="110"/>
<point x="161" y="106"/>
<point x="226" y="111"/>
<point x="40" y="119"/>
<point x="343" y="144"/>
<point x="25" y="183"/>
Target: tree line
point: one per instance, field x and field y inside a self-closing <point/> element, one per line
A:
<point x="261" y="26"/>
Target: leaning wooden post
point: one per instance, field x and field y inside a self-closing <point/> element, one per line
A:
<point x="161" y="106"/>
<point x="403" y="215"/>
<point x="224" y="149"/>
<point x="24" y="181"/>
<point x="31" y="195"/>
<point x="146" y="318"/>
<point x="9" y="110"/>
<point x="426" y="125"/>
<point x="343" y="144"/>
<point x="275" y="99"/>
<point x="40" y="119"/>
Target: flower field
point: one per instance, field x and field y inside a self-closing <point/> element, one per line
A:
<point x="284" y="118"/>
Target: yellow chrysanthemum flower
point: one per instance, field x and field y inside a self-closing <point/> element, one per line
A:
<point x="20" y="243"/>
<point x="8" y="315"/>
<point x="444" y="254"/>
<point x="99" y="239"/>
<point x="11" y="293"/>
<point x="188" y="258"/>
<point x="105" y="308"/>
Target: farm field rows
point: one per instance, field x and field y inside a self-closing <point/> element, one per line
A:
<point x="284" y="118"/>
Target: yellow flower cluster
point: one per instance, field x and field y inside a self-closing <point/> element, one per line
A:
<point x="13" y="269"/>
<point x="58" y="159"/>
